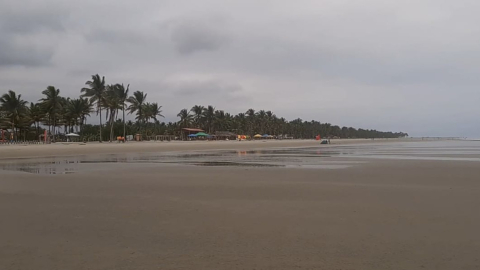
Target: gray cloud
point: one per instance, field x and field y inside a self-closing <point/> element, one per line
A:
<point x="117" y="36"/>
<point x="25" y="19"/>
<point x="14" y="53"/>
<point x="194" y="36"/>
<point x="389" y="65"/>
<point x="28" y="33"/>
<point x="201" y="88"/>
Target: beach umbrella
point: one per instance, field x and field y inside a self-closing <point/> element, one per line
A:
<point x="265" y="136"/>
<point x="202" y="134"/>
<point x="192" y="135"/>
<point x="72" y="135"/>
<point x="257" y="136"/>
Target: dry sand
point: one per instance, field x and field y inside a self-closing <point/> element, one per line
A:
<point x="378" y="215"/>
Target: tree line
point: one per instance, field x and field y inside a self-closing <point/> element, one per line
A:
<point x="55" y="113"/>
<point x="266" y="122"/>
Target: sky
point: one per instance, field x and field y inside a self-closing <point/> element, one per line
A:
<point x="410" y="65"/>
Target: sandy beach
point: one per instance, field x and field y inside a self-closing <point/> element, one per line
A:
<point x="375" y="213"/>
<point x="62" y="149"/>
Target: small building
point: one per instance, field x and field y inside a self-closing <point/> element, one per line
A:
<point x="3" y="135"/>
<point x="225" y="135"/>
<point x="189" y="131"/>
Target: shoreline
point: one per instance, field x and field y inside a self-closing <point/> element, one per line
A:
<point x="20" y="151"/>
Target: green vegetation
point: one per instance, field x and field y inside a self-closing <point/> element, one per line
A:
<point x="57" y="114"/>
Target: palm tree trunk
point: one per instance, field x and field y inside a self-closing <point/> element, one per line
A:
<point x="111" y="130"/>
<point x="123" y="109"/>
<point x="81" y="127"/>
<point x="13" y="131"/>
<point x="54" y="125"/>
<point x="82" y="123"/>
<point x="145" y="135"/>
<point x="100" y="109"/>
<point x="111" y="126"/>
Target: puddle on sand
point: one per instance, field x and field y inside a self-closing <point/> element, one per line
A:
<point x="43" y="170"/>
<point x="319" y="166"/>
<point x="234" y="164"/>
<point x="282" y="158"/>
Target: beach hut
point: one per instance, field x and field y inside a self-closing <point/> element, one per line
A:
<point x="202" y="134"/>
<point x="2" y="137"/>
<point x="70" y="136"/>
<point x="189" y="131"/>
<point x="225" y="135"/>
<point x="165" y="138"/>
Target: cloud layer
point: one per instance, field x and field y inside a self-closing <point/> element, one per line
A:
<point x="390" y="65"/>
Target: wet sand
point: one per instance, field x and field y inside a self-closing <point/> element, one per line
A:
<point x="375" y="214"/>
<point x="62" y="149"/>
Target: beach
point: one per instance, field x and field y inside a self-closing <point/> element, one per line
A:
<point x="78" y="148"/>
<point x="289" y="205"/>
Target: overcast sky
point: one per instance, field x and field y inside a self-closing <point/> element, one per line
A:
<point x="410" y="65"/>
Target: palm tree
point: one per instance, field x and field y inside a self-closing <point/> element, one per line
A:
<point x="52" y="105"/>
<point x="54" y="110"/>
<point x="296" y="126"/>
<point x="251" y="120"/>
<point x="24" y="123"/>
<point x="67" y="117"/>
<point x="269" y="121"/>
<point x="185" y="118"/>
<point x="241" y="122"/>
<point x="96" y="93"/>
<point x="14" y="107"/>
<point x="209" y="116"/>
<point x="221" y="120"/>
<point x="137" y="102"/>
<point x="172" y="128"/>
<point x="327" y="127"/>
<point x="282" y="123"/>
<point x="112" y="104"/>
<point x="197" y="111"/>
<point x="274" y="126"/>
<point x="261" y="121"/>
<point x="122" y="94"/>
<point x="36" y="115"/>
<point x="79" y="109"/>
<point x="151" y="111"/>
<point x="156" y="111"/>
<point x="86" y="107"/>
<point x="74" y="109"/>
